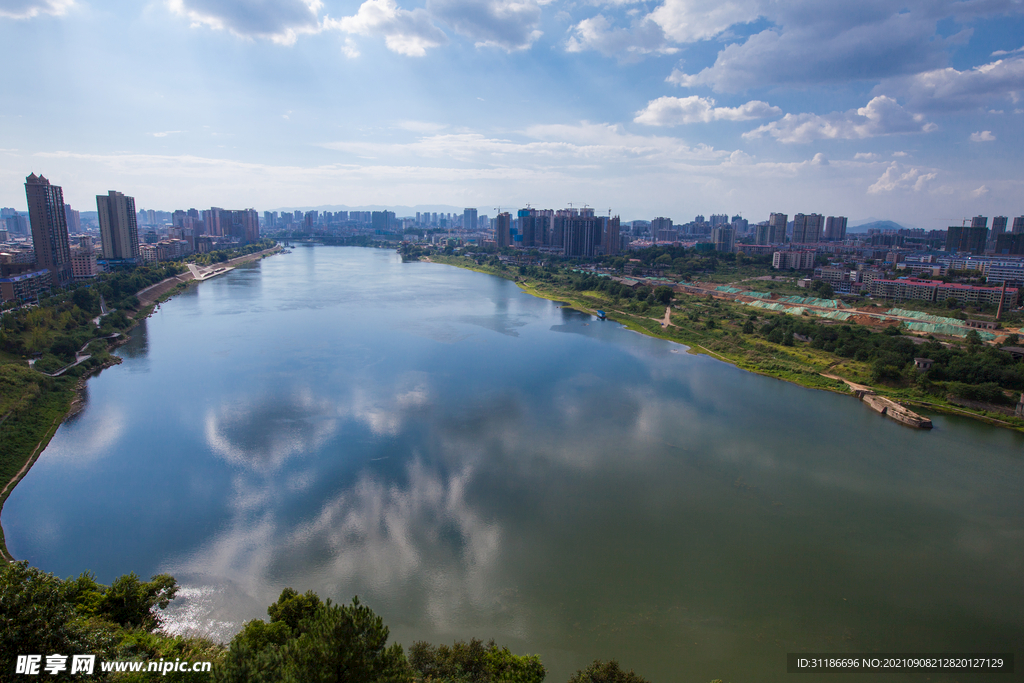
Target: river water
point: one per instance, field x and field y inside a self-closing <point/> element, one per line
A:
<point x="473" y="461"/>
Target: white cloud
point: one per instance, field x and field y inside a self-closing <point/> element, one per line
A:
<point x="165" y="133"/>
<point x="983" y="136"/>
<point x="865" y="156"/>
<point x="823" y="52"/>
<point x="950" y="90"/>
<point x="26" y="9"/>
<point x="897" y="177"/>
<point x="406" y="32"/>
<point x="1001" y="53"/>
<point x="281" y="21"/>
<point x="882" y="116"/>
<point x="507" y="24"/>
<point x="674" y="111"/>
<point x="980" y="192"/>
<point x="643" y="37"/>
<point x="687" y="21"/>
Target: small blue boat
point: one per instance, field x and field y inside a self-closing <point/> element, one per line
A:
<point x="600" y="314"/>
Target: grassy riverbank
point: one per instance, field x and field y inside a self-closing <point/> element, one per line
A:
<point x="773" y="344"/>
<point x="33" y="404"/>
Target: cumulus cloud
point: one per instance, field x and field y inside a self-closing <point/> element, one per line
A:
<point x="951" y="90"/>
<point x="823" y="52"/>
<point x="643" y="37"/>
<point x="674" y="111"/>
<point x="898" y="177"/>
<point x="26" y="9"/>
<point x="506" y="24"/>
<point x="406" y="32"/>
<point x="882" y="116"/>
<point x="687" y="21"/>
<point x="279" y="20"/>
<point x="983" y="136"/>
<point x="980" y="192"/>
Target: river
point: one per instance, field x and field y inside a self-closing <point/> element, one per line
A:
<point x="473" y="461"/>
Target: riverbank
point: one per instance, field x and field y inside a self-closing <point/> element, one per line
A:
<point x="58" y="397"/>
<point x="718" y="328"/>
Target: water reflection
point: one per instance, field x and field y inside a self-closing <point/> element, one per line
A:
<point x="418" y="436"/>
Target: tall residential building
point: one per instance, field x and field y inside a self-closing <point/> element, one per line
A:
<point x="724" y="237"/>
<point x="960" y="238"/>
<point x="74" y="219"/>
<point x="979" y="222"/>
<point x="776" y="228"/>
<point x="49" y="229"/>
<point x="243" y="225"/>
<point x="581" y="233"/>
<point x="469" y="219"/>
<point x="503" y="229"/>
<point x="119" y="229"/>
<point x="610" y="241"/>
<point x="835" y="228"/>
<point x="1018" y="225"/>
<point x="998" y="228"/>
<point x="807" y="228"/>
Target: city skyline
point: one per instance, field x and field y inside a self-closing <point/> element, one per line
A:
<point x="910" y="113"/>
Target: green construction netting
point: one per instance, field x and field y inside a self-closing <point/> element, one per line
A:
<point x="925" y="317"/>
<point x="834" y="315"/>
<point x="811" y="301"/>
<point x="757" y="295"/>
<point x="952" y="330"/>
<point x="796" y="310"/>
<point x="766" y="306"/>
<point x="727" y="289"/>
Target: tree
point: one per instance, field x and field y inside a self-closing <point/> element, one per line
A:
<point x="329" y="644"/>
<point x="606" y="672"/>
<point x="663" y="295"/>
<point x="130" y="602"/>
<point x="36" y="616"/>
<point x="748" y="327"/>
<point x="475" y="662"/>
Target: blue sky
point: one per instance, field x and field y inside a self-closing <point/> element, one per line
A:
<point x="910" y="111"/>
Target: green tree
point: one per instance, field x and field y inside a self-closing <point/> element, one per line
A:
<point x="663" y="295"/>
<point x="36" y="616"/>
<point x="130" y="602"/>
<point x="330" y="644"/>
<point x="473" y="662"/>
<point x="606" y="672"/>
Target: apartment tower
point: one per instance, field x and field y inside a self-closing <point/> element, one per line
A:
<point x="119" y="228"/>
<point x="49" y="229"/>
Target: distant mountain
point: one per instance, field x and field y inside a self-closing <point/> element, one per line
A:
<point x="876" y="224"/>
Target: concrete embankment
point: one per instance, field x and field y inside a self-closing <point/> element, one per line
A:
<point x="885" y="406"/>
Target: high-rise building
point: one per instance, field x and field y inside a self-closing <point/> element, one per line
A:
<point x="776" y="228"/>
<point x="469" y="219"/>
<point x="998" y="228"/>
<point x="581" y="233"/>
<point x="119" y="229"/>
<point x="1018" y="225"/>
<point x="49" y="229"/>
<point x="74" y="219"/>
<point x="724" y="238"/>
<point x="960" y="238"/>
<point x="835" y="228"/>
<point x="979" y="222"/>
<point x="503" y="230"/>
<point x="807" y="228"/>
<point x="610" y="240"/>
<point x="719" y="219"/>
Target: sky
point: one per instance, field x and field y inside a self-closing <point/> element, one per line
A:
<point x="911" y="111"/>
